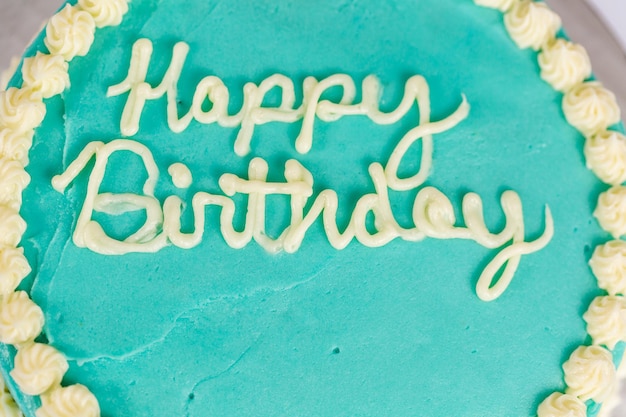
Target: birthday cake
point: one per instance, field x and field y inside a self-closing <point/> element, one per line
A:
<point x="330" y="208"/>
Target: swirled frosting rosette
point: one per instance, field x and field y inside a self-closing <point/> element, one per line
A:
<point x="590" y="374"/>
<point x="562" y="405"/>
<point x="19" y="111"/>
<point x="590" y="108"/>
<point x="72" y="401"/>
<point x="606" y="320"/>
<point x="14" y="145"/>
<point x="12" y="226"/>
<point x="105" y="12"/>
<point x="564" y="64"/>
<point x="45" y="75"/>
<point x="70" y="33"/>
<point x="14" y="268"/>
<point x="13" y="180"/>
<point x="38" y="368"/>
<point x="531" y="24"/>
<point x="21" y="320"/>
<point x="605" y="153"/>
<point x="611" y="211"/>
<point x="608" y="264"/>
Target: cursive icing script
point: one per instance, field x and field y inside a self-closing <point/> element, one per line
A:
<point x="433" y="215"/>
<point x="252" y="112"/>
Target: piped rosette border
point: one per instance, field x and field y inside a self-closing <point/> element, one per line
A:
<point x="39" y="368"/>
<point x="589" y="373"/>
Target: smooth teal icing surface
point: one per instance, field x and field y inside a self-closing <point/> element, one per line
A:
<point x="396" y="330"/>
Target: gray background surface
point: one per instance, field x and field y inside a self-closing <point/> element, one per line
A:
<point x="21" y="19"/>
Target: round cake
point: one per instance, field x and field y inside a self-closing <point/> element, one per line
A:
<point x="272" y="208"/>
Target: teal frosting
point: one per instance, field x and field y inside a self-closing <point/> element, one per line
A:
<point x="392" y="331"/>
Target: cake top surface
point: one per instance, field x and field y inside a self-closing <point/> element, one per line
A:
<point x="251" y="115"/>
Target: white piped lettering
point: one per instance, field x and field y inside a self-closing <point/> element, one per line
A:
<point x="433" y="214"/>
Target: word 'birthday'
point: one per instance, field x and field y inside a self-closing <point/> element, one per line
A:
<point x="433" y="214"/>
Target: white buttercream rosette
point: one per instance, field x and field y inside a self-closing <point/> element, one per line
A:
<point x="608" y="264"/>
<point x="105" y="12"/>
<point x="73" y="401"/>
<point x="70" y="33"/>
<point x="21" y="320"/>
<point x="605" y="153"/>
<point x="564" y="64"/>
<point x="591" y="108"/>
<point x="606" y="320"/>
<point x="531" y="24"/>
<point x="45" y="75"/>
<point x="38" y="367"/>
<point x="590" y="374"/>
